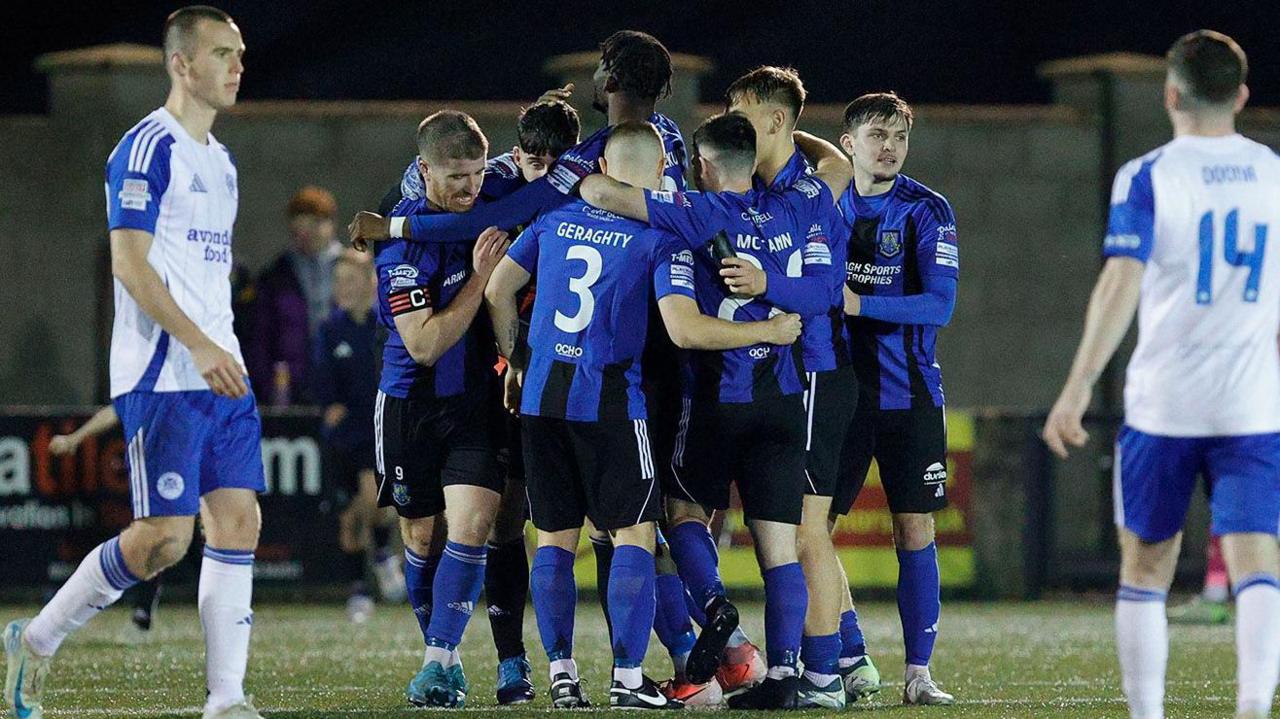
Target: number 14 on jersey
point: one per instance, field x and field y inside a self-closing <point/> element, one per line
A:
<point x="1231" y="253"/>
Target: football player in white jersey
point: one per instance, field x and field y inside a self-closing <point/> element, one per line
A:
<point x="1187" y="247"/>
<point x="177" y="378"/>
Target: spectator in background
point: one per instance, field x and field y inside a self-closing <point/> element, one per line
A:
<point x="344" y="379"/>
<point x="293" y="299"/>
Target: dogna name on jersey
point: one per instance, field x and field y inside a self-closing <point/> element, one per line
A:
<point x="1214" y="174"/>
<point x="608" y="238"/>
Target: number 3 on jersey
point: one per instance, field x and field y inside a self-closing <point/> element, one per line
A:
<point x="1232" y="253"/>
<point x="581" y="286"/>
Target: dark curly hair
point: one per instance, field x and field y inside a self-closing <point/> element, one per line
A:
<point x="638" y="62"/>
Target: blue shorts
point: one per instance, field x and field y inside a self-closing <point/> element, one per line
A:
<point x="183" y="445"/>
<point x="1155" y="477"/>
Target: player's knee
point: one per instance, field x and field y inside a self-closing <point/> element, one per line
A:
<point x="1148" y="565"/>
<point x="150" y="547"/>
<point x="470" y="528"/>
<point x="775" y="543"/>
<point x="679" y="512"/>
<point x="234" y="528"/>
<point x="1250" y="553"/>
<point x="641" y="535"/>
<point x="912" y="532"/>
<point x="419" y="535"/>
<point x="812" y="538"/>
<point x="566" y="539"/>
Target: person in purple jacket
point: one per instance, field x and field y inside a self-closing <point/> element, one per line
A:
<point x="293" y="298"/>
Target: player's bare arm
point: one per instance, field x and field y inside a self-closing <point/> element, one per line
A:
<point x="429" y="334"/>
<point x="830" y="164"/>
<point x="1111" y="309"/>
<point x="500" y="296"/>
<point x="101" y="421"/>
<point x="129" y="264"/>
<point x="617" y="197"/>
<point x="692" y="330"/>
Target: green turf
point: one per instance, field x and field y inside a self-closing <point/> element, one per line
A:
<point x="1052" y="659"/>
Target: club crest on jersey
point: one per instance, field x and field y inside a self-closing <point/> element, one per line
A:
<point x="890" y="244"/>
<point x="399" y="493"/>
<point x="170" y="485"/>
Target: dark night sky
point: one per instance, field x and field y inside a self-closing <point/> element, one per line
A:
<point x="932" y="51"/>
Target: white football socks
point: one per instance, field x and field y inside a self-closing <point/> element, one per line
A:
<point x="225" y="595"/>
<point x="1142" y="641"/>
<point x="96" y="584"/>
<point x="564" y="666"/>
<point x="1257" y="642"/>
<point x="629" y="677"/>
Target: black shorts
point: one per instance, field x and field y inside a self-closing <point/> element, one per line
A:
<point x="601" y="470"/>
<point x="423" y="445"/>
<point x="342" y="468"/>
<point x="829" y="403"/>
<point x="511" y="455"/>
<point x="759" y="445"/>
<point x="910" y="447"/>
<point x="665" y="408"/>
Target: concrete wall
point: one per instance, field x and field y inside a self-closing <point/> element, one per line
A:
<point x="1026" y="184"/>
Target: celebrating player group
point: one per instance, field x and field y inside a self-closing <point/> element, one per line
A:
<point x="774" y="330"/>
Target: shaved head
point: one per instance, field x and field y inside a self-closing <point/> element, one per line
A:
<point x="634" y="143"/>
<point x="634" y="154"/>
<point x="181" y="26"/>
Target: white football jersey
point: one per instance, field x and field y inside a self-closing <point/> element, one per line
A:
<point x="161" y="180"/>
<point x="1203" y="213"/>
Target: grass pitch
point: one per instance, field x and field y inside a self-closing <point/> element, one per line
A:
<point x="1047" y="659"/>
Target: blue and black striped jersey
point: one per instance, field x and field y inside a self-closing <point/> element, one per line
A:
<point x="418" y="276"/>
<point x="773" y="230"/>
<point x="895" y="240"/>
<point x="597" y="274"/>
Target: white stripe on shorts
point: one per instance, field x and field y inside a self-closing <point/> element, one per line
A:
<point x="811" y="399"/>
<point x="135" y="489"/>
<point x="646" y="463"/>
<point x="642" y="446"/>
